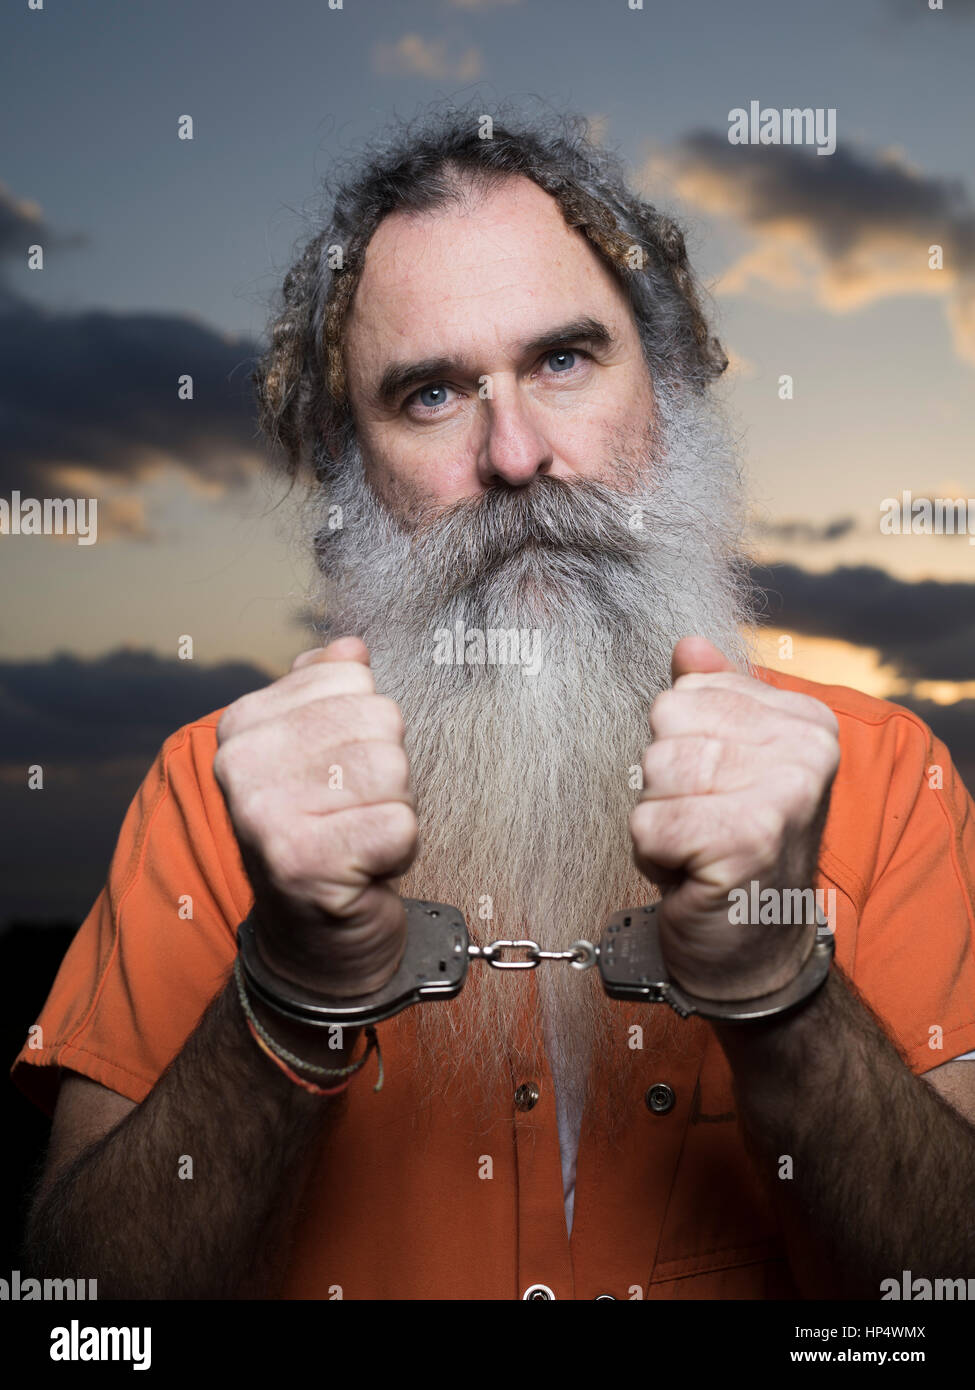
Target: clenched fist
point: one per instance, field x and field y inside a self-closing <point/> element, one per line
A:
<point x="317" y="784"/>
<point x="736" y="789"/>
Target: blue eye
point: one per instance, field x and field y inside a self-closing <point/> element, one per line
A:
<point x="561" y="355"/>
<point x="440" y="392"/>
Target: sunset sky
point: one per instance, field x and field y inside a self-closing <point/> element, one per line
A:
<point x="160" y="257"/>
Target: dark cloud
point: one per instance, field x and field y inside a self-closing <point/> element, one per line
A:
<point x="925" y="629"/>
<point x="58" y="842"/>
<point x="806" y="531"/>
<point x="94" y="726"/>
<point x="68" y="709"/>
<point x="22" y="224"/>
<point x="843" y="201"/>
<point x="99" y="390"/>
<point x="847" y="229"/>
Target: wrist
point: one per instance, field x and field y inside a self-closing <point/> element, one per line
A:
<point x="331" y="1046"/>
<point x="348" y="961"/>
<point x="762" y="964"/>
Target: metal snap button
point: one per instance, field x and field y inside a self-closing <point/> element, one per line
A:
<point x="660" y="1098"/>
<point x="538" y="1291"/>
<point x="526" y="1095"/>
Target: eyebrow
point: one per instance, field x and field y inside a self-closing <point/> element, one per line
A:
<point x="400" y="376"/>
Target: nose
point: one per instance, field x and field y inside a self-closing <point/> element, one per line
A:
<point x="515" y="447"/>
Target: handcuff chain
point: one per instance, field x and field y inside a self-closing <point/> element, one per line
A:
<point x="580" y="955"/>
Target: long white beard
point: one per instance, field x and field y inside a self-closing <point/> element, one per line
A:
<point x="525" y="782"/>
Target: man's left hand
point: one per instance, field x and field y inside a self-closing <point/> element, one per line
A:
<point x="736" y="787"/>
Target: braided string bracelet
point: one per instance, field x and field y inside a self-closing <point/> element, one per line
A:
<point x="280" y="1056"/>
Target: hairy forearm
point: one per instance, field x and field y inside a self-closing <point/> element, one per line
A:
<point x="883" y="1169"/>
<point x="123" y="1212"/>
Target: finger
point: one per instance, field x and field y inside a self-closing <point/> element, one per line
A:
<point x="789" y="701"/>
<point x="313" y="729"/>
<point x="326" y="723"/>
<point x="664" y="879"/>
<point x="745" y="716"/>
<point x="724" y="714"/>
<point x="697" y="654"/>
<point x="344" y="775"/>
<point x="354" y="848"/>
<point x="314" y="681"/>
<point x="349" y="648"/>
<point x="699" y="765"/>
<point x="716" y="839"/>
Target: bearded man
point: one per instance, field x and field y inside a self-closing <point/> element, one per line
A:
<point x="533" y="701"/>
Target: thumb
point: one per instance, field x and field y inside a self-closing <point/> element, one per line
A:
<point x="698" y="654"/>
<point x="342" y="649"/>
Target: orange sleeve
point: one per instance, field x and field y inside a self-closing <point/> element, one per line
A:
<point x="915" y="951"/>
<point x="158" y="942"/>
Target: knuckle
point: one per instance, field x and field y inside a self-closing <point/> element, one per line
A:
<point x="827" y="740"/>
<point x="340" y="677"/>
<point x="282" y="854"/>
<point x="398" y="825"/>
<point x="382" y="768"/>
<point x="664" y="706"/>
<point x="388" y="716"/>
<point x="800" y="782"/>
<point x="335" y="713"/>
<point x="821" y="712"/>
<point x="643" y="821"/>
<point x="710" y="752"/>
<point x="655" y="756"/>
<point x="225" y="765"/>
<point x="228" y="722"/>
<point x="382" y="839"/>
<point x="242" y="711"/>
<point x="820" y="716"/>
<point x="764" y="829"/>
<point x="819" y="752"/>
<point x="830" y="721"/>
<point x="395" y="766"/>
<point x="252" y="816"/>
<point x="220" y="765"/>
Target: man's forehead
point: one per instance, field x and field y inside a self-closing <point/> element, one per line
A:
<point x="515" y="218"/>
<point x="503" y="263"/>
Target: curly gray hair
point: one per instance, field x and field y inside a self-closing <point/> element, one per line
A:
<point x="435" y="162"/>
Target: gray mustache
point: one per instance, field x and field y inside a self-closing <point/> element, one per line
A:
<point x="472" y="537"/>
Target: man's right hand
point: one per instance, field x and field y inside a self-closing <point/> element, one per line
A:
<point x="317" y="784"/>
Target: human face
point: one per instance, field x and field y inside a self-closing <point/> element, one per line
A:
<point x="489" y="342"/>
